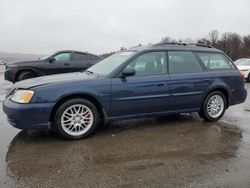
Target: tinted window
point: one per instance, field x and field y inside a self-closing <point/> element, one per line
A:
<point x="215" y="61"/>
<point x="80" y="57"/>
<point x="183" y="62"/>
<point x="152" y="63"/>
<point x="62" y="57"/>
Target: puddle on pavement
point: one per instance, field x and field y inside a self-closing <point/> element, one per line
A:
<point x="124" y="152"/>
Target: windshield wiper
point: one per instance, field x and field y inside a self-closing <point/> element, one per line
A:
<point x="89" y="72"/>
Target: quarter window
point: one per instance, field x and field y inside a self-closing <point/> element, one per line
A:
<point x="183" y="62"/>
<point x="215" y="61"/>
<point x="62" y="57"/>
<point x="152" y="63"/>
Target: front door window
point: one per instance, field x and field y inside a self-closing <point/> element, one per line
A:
<point x="62" y="57"/>
<point x="152" y="63"/>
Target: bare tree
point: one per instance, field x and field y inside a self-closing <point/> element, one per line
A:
<point x="167" y="40"/>
<point x="231" y="43"/>
<point x="204" y="41"/>
<point x="246" y="46"/>
<point x="213" y="37"/>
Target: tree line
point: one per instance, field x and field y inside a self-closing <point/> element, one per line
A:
<point x="233" y="44"/>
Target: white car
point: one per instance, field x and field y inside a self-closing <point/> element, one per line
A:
<point x="244" y="66"/>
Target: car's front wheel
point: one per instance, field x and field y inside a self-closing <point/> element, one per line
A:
<point x="25" y="75"/>
<point x="76" y="119"/>
<point x="213" y="107"/>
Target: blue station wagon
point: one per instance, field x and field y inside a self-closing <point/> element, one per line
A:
<point x="141" y="82"/>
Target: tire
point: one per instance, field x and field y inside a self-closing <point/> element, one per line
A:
<point x="207" y="111"/>
<point x="72" y="125"/>
<point x="25" y="75"/>
<point x="201" y="115"/>
<point x="248" y="78"/>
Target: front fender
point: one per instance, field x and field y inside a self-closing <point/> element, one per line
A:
<point x="37" y="72"/>
<point x="52" y="93"/>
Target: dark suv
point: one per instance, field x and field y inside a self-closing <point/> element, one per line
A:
<point x="153" y="81"/>
<point x="60" y="62"/>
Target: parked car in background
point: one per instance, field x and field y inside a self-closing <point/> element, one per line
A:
<point x="152" y="81"/>
<point x="60" y="62"/>
<point x="244" y="66"/>
<point x="238" y="61"/>
<point x="2" y="62"/>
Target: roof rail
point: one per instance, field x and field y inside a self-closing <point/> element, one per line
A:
<point x="183" y="44"/>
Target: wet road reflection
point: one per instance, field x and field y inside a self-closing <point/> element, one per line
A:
<point x="171" y="150"/>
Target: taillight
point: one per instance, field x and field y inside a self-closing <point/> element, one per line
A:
<point x="242" y="75"/>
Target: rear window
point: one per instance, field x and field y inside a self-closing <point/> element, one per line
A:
<point x="215" y="61"/>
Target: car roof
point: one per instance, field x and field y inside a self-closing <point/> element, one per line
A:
<point x="75" y="51"/>
<point x="177" y="46"/>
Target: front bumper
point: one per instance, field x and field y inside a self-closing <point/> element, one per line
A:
<point x="28" y="116"/>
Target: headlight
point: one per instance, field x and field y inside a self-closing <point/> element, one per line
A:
<point x="22" y="96"/>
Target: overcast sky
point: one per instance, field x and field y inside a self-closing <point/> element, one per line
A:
<point x="45" y="26"/>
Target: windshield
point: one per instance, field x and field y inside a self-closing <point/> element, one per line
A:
<point x="245" y="62"/>
<point x="108" y="65"/>
<point x="44" y="57"/>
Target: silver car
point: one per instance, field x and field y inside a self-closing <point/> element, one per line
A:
<point x="244" y="66"/>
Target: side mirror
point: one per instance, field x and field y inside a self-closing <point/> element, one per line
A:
<point x="128" y="72"/>
<point x="51" y="59"/>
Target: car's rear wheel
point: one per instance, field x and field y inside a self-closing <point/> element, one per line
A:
<point x="76" y="119"/>
<point x="213" y="107"/>
<point x="25" y="75"/>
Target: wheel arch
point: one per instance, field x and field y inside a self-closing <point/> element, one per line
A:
<point x="74" y="96"/>
<point x="25" y="69"/>
<point x="223" y="90"/>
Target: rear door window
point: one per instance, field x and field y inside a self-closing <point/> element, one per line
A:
<point x="183" y="62"/>
<point x="215" y="60"/>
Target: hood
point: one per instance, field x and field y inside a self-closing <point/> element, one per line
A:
<point x="11" y="64"/>
<point x="52" y="79"/>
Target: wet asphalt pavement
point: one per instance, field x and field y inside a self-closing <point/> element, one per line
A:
<point x="171" y="151"/>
